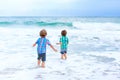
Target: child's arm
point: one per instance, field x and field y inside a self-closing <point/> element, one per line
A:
<point x="53" y="48"/>
<point x="59" y="43"/>
<point x="34" y="44"/>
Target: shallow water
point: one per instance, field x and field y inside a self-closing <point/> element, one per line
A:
<point x="93" y="54"/>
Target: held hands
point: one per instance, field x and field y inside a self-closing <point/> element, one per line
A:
<point x="53" y="48"/>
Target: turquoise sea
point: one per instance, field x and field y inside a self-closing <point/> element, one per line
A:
<point x="54" y="21"/>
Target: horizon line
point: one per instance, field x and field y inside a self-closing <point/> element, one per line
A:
<point x="58" y="16"/>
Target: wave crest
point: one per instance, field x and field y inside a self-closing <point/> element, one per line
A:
<point x="35" y="23"/>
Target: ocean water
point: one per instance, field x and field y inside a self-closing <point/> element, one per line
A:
<point x="93" y="50"/>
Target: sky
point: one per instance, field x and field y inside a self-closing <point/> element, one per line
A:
<point x="59" y="7"/>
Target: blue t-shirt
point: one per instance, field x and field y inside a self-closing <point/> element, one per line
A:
<point x="42" y="42"/>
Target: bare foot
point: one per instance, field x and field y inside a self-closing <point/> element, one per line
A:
<point x="43" y="66"/>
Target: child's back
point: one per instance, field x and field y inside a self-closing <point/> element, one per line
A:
<point x="63" y="43"/>
<point x="41" y="48"/>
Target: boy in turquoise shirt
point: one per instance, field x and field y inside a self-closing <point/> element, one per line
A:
<point x="63" y="44"/>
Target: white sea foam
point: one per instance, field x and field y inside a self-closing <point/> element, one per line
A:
<point x="92" y="54"/>
<point x="96" y="26"/>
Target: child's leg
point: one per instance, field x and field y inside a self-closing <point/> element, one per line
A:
<point x="43" y="64"/>
<point x="43" y="60"/>
<point x="62" y="56"/>
<point x="65" y="55"/>
<point x="38" y="62"/>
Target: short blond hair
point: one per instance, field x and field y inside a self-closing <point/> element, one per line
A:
<point x="43" y="33"/>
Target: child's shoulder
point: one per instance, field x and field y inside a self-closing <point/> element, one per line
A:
<point x="46" y="39"/>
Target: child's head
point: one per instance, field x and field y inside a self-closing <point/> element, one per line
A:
<point x="43" y="33"/>
<point x="63" y="32"/>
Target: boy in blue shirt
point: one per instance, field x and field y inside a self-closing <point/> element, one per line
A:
<point x="41" y="48"/>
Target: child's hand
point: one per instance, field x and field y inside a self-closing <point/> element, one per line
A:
<point x="58" y="43"/>
<point x="34" y="45"/>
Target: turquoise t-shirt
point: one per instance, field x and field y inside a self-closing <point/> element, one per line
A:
<point x="64" y="40"/>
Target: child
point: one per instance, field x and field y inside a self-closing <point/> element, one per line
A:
<point x="41" y="48"/>
<point x="63" y="43"/>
